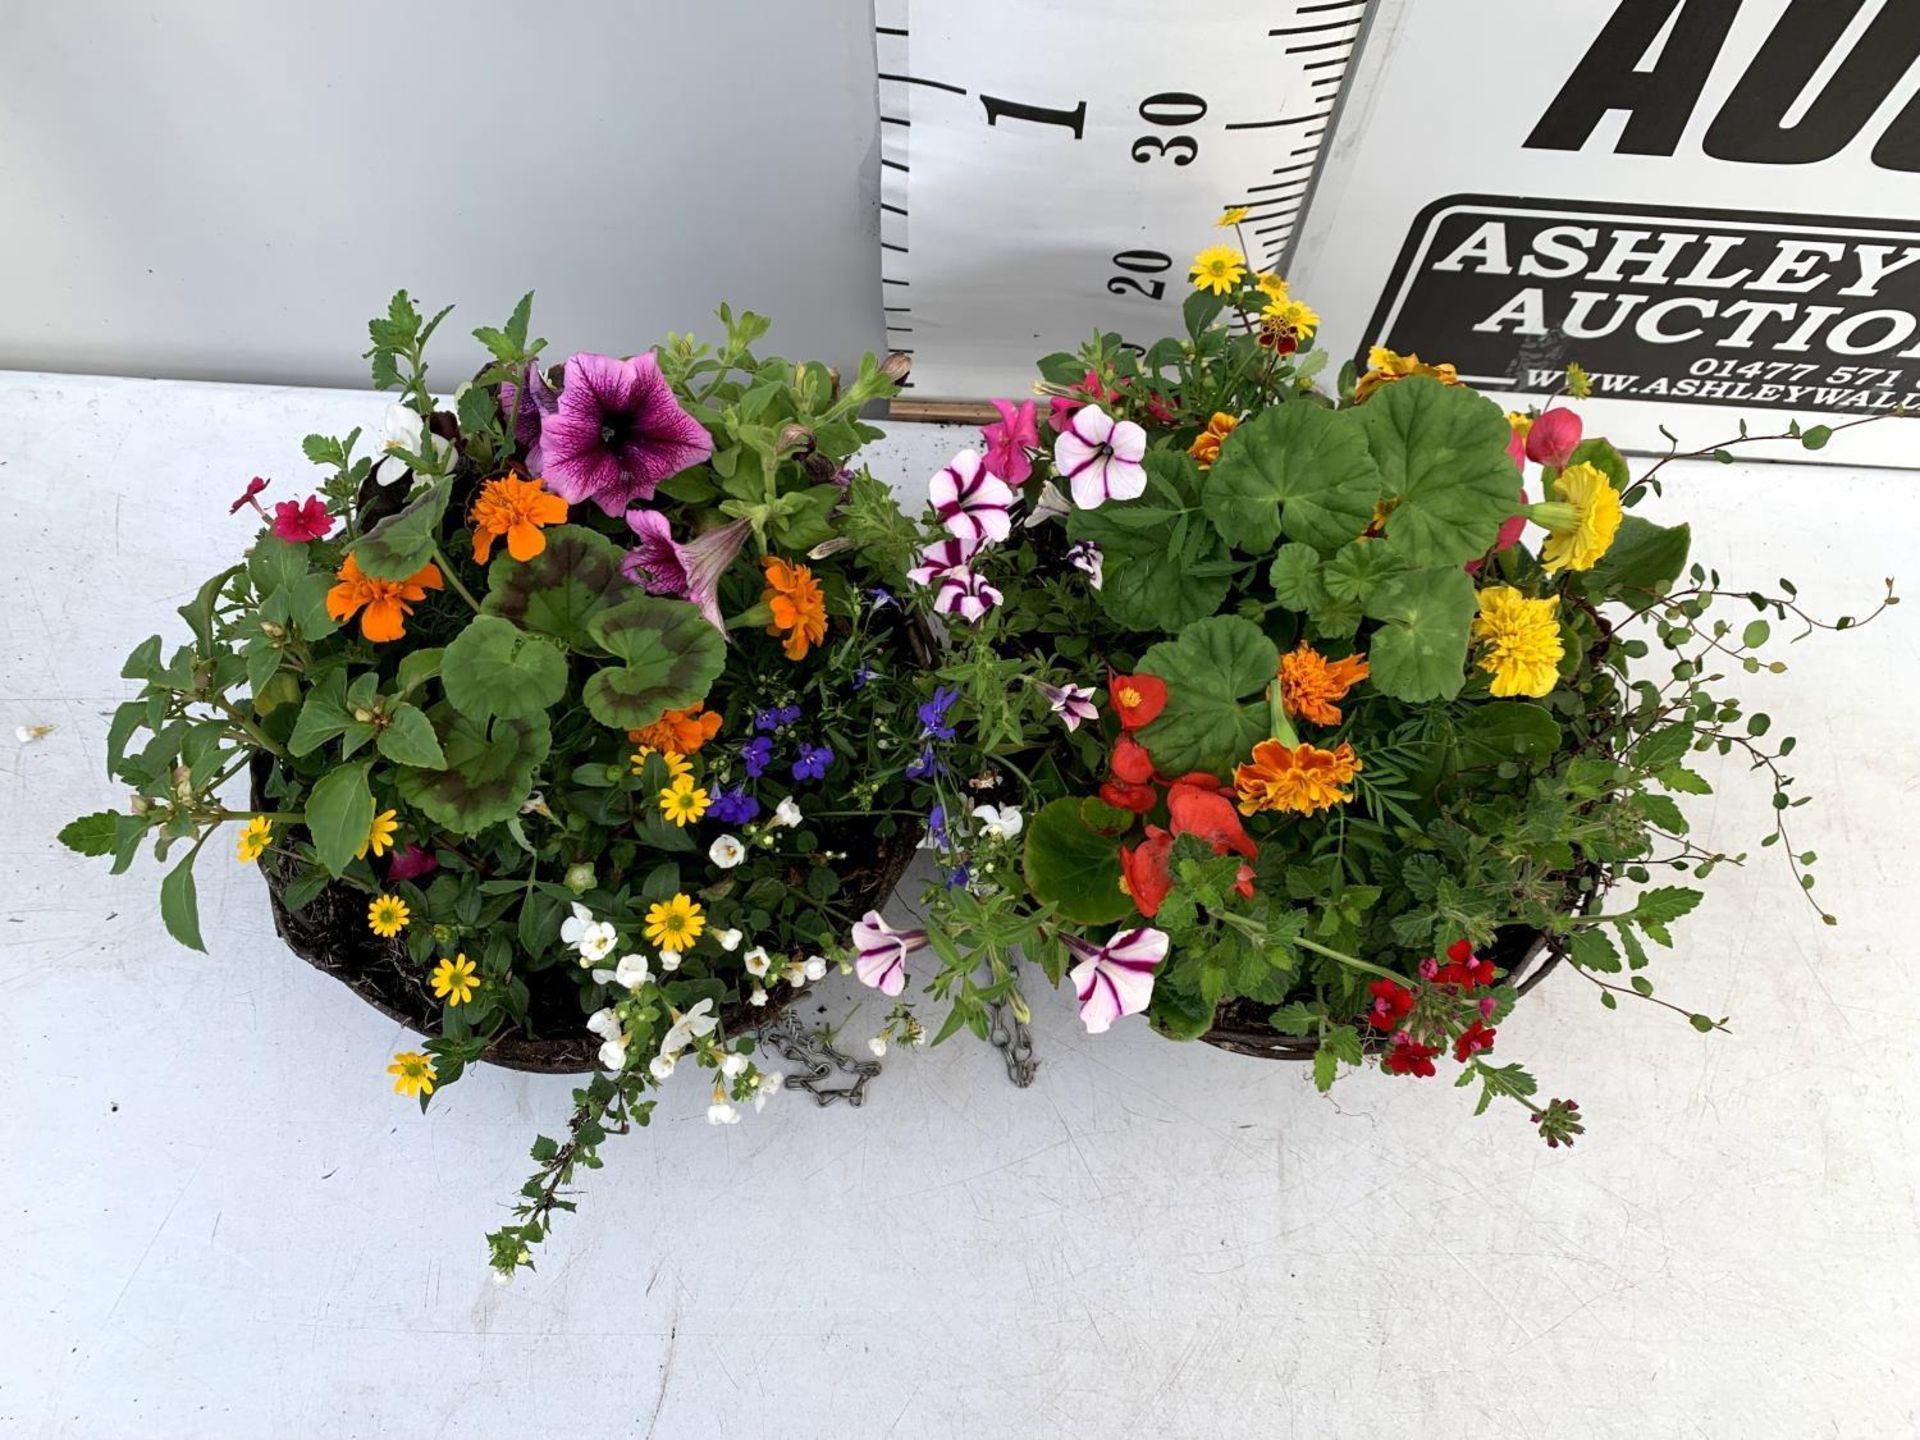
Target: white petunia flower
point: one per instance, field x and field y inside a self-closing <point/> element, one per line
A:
<point x="999" y="822"/>
<point x="632" y="971"/>
<point x="787" y="812"/>
<point x="406" y="430"/>
<point x="605" y="1024"/>
<point x="727" y="852"/>
<point x="757" y="961"/>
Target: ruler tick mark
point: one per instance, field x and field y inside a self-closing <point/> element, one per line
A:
<point x="930" y="84"/>
<point x="1322" y="45"/>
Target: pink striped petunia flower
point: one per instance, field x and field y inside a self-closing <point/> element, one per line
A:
<point x="880" y="952"/>
<point x="1099" y="458"/>
<point x="970" y="501"/>
<point x="1116" y="978"/>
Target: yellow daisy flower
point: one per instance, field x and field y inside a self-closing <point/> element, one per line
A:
<point x="1522" y="640"/>
<point x="1231" y="217"/>
<point x="387" y="916"/>
<point x="1295" y="317"/>
<point x="675" y="924"/>
<point x="1581" y="524"/>
<point x="676" y="763"/>
<point x="380" y="838"/>
<point x="683" y="801"/>
<point x="254" y="839"/>
<point x="1272" y="286"/>
<point x="1218" y="268"/>
<point x="455" y="980"/>
<point x="412" y="1072"/>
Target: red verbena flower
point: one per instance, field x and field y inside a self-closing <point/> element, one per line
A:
<point x="1471" y="1041"/>
<point x="1391" y="1003"/>
<point x="1464" y="969"/>
<point x="298" y="521"/>
<point x="1408" y="1056"/>
<point x="254" y="487"/>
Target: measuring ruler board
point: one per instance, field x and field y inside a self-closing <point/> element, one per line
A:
<point x="1048" y="171"/>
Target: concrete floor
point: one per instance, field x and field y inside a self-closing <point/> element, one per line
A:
<point x="223" y="1224"/>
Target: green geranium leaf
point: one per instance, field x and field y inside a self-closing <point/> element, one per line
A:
<point x="561" y="589"/>
<point x="1164" y="564"/>
<point x="1507" y="730"/>
<point x="400" y="544"/>
<point x="493" y="667"/>
<point x="340" y="815"/>
<point x="488" y="774"/>
<point x="1074" y="867"/>
<point x="1442" y="453"/>
<point x="1359" y="569"/>
<point x="408" y="739"/>
<point x="1643" y="561"/>
<point x="1297" y="470"/>
<point x="1210" y="669"/>
<point x="1420" y="650"/>
<point x="1295" y="577"/>
<point x="672" y="657"/>
<point x="1604" y="458"/>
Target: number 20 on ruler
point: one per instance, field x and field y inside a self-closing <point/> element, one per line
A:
<point x="1166" y="113"/>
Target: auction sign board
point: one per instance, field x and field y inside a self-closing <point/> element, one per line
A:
<point x="1712" y="206"/>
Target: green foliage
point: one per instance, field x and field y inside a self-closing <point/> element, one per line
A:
<point x="671" y="654"/>
<point x="1211" y="669"/>
<point x="1442" y="455"/>
<point x="1296" y="470"/>
<point x="340" y="816"/>
<point x="1420" y="649"/>
<point x="559" y="591"/>
<point x="1166" y="565"/>
<point x="1073" y="865"/>
<point x="398" y="546"/>
<point x="494" y="668"/>
<point x="488" y="775"/>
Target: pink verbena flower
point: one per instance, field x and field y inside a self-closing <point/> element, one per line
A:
<point x="616" y="432"/>
<point x="1116" y="978"/>
<point x="298" y="521"/>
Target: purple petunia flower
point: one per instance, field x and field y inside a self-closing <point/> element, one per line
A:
<point x="941" y="559"/>
<point x="1085" y="555"/>
<point x="933" y="714"/>
<point x="758" y="754"/>
<point x="813" y="762"/>
<point x="524" y="417"/>
<point x="688" y="571"/>
<point x="733" y="807"/>
<point x="616" y="432"/>
<point x="1072" y="703"/>
<point x="970" y="501"/>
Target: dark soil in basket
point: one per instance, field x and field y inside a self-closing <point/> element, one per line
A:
<point x="330" y="933"/>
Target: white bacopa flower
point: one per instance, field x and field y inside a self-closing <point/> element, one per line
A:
<point x="787" y="812"/>
<point x="734" y="1066"/>
<point x="603" y="977"/>
<point x="815" y="968"/>
<point x="632" y="971"/>
<point x="613" y="1055"/>
<point x="721" y="1113"/>
<point x="604" y="1023"/>
<point x="727" y="852"/>
<point x="758" y="997"/>
<point x="662" y="1066"/>
<point x="728" y="940"/>
<point x="998" y="822"/>
<point x="757" y="961"/>
<point x="769" y="1086"/>
<point x="878" y="1045"/>
<point x="796" y="974"/>
<point x="594" y="939"/>
<point x="689" y="1026"/>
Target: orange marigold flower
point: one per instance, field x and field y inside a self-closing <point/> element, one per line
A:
<point x="1206" y="445"/>
<point x="1302" y="779"/>
<point x="679" y="732"/>
<point x="799" y="609"/>
<point x="514" y="509"/>
<point x="386" y="603"/>
<point x="1384" y="367"/>
<point x="1310" y="683"/>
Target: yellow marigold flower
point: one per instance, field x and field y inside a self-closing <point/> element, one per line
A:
<point x="412" y="1072"/>
<point x="1218" y="268"/>
<point x="1231" y="217"/>
<point x="254" y="840"/>
<point x="1206" y="445"/>
<point x="1294" y="318"/>
<point x="1310" y="683"/>
<point x="1522" y="640"/>
<point x="387" y="916"/>
<point x="1582" y="523"/>
<point x="676" y="763"/>
<point x="1299" y="779"/>
<point x="514" y="509"/>
<point x="1384" y="367"/>
<point x="1273" y="287"/>
<point x="1519" y="424"/>
<point x="680" y="731"/>
<point x="798" y="606"/>
<point x="380" y="838"/>
<point x="683" y="801"/>
<point x="675" y="924"/>
<point x="455" y="980"/>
